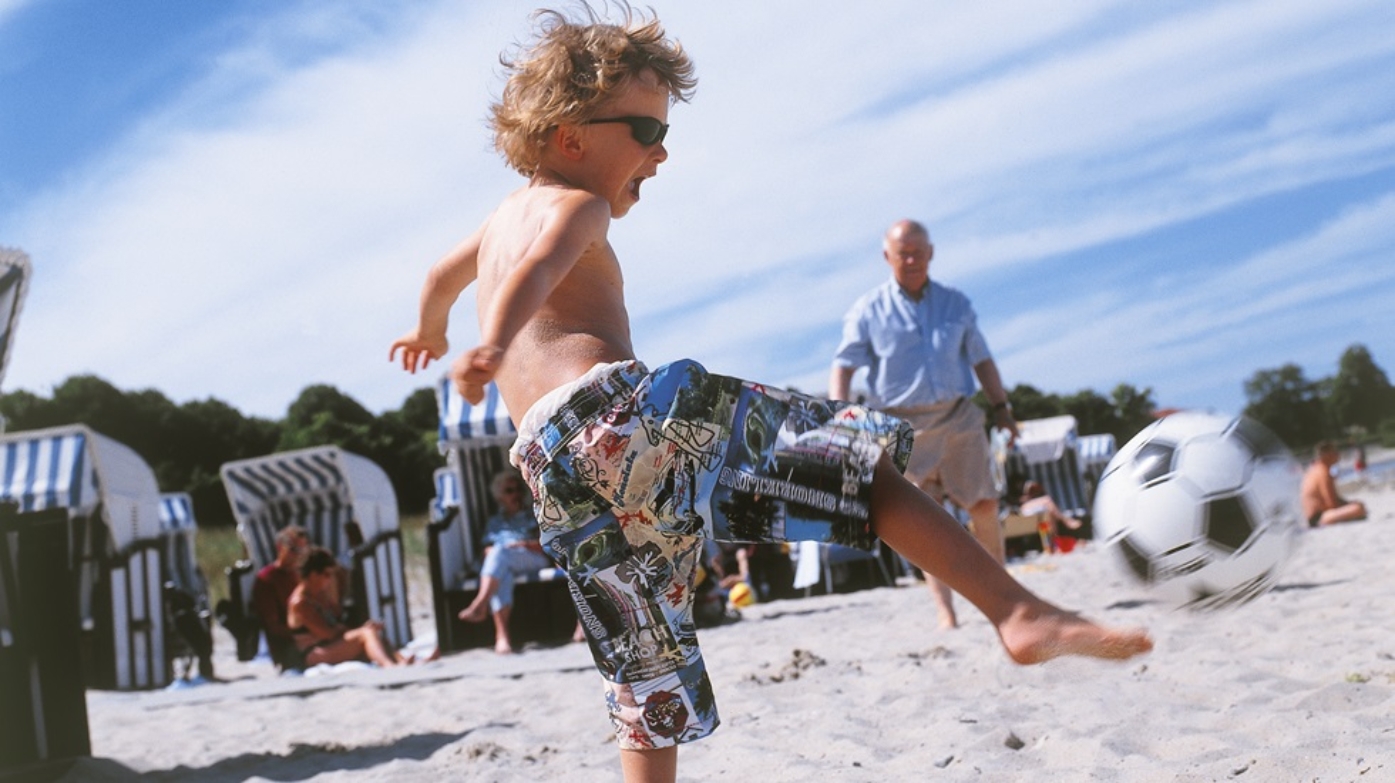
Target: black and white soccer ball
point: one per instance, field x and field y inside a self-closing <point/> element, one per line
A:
<point x="1202" y="508"/>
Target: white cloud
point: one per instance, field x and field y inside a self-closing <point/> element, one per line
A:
<point x="1192" y="333"/>
<point x="9" y="8"/>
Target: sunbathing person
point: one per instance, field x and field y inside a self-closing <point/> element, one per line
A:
<point x="511" y="536"/>
<point x="1035" y="502"/>
<point x="316" y="620"/>
<point x="1321" y="503"/>
<point x="271" y="594"/>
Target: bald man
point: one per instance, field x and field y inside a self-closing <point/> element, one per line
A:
<point x="921" y="345"/>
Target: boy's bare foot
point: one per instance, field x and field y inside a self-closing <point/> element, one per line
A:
<point x="474" y="613"/>
<point x="502" y="647"/>
<point x="1034" y="633"/>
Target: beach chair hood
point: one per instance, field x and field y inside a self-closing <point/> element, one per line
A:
<point x="1046" y="440"/>
<point x="180" y="532"/>
<point x="466" y="425"/>
<point x="113" y="507"/>
<point x="1047" y="451"/>
<point x="322" y="489"/>
<point x="83" y="471"/>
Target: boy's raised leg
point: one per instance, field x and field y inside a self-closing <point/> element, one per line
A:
<point x="1031" y="629"/>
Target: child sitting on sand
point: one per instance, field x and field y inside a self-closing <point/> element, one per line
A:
<point x="630" y="468"/>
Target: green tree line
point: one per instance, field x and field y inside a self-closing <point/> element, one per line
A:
<point x="1356" y="404"/>
<point x="185" y="444"/>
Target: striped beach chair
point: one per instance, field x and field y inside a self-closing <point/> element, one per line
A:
<point x="475" y="440"/>
<point x="179" y="531"/>
<point x="1067" y="464"/>
<point x="1047" y="451"/>
<point x="14" y="284"/>
<point x="190" y="636"/>
<point x="1095" y="453"/>
<point x="110" y="500"/>
<point x="346" y="504"/>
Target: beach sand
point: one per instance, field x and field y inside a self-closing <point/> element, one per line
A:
<point x="1297" y="685"/>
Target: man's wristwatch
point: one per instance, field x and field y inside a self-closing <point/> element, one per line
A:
<point x="1002" y="406"/>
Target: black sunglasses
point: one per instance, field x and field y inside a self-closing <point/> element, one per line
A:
<point x="645" y="130"/>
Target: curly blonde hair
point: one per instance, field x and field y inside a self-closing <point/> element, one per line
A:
<point x="572" y="69"/>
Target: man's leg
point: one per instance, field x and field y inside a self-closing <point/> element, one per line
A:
<point x="944" y="602"/>
<point x="1354" y="511"/>
<point x="987" y="529"/>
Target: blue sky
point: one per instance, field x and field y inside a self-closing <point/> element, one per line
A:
<point x="239" y="199"/>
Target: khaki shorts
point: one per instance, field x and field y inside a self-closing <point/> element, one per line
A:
<point x="951" y="457"/>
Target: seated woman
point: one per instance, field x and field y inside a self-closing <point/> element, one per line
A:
<point x="316" y="620"/>
<point x="1035" y="502"/>
<point x="511" y="536"/>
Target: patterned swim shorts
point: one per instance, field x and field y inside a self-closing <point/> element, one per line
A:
<point x="631" y="470"/>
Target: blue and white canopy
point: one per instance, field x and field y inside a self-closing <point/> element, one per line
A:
<point x="181" y="564"/>
<point x="322" y="489"/>
<point x="14" y="284"/>
<point x="464" y="424"/>
<point x="1045" y="440"/>
<point x="1096" y="451"/>
<point x="447" y="493"/>
<point x="176" y="512"/>
<point x="1047" y="452"/>
<point x="81" y="470"/>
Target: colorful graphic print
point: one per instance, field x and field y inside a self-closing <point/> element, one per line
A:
<point x="635" y="469"/>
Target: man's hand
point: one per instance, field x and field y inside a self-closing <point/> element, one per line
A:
<point x="1003" y="420"/>
<point x="417" y="352"/>
<point x="475" y="368"/>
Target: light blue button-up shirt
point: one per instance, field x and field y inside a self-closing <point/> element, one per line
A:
<point x="917" y="352"/>
<point x="508" y="529"/>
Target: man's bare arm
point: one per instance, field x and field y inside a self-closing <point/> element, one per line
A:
<point x="840" y="382"/>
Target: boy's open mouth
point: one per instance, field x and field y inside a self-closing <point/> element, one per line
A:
<point x="634" y="187"/>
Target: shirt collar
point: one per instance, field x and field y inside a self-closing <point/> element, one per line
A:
<point x="896" y="288"/>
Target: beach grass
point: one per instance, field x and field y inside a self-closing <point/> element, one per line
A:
<point x="217" y="549"/>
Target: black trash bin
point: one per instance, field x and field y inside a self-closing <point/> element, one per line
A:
<point x="43" y="707"/>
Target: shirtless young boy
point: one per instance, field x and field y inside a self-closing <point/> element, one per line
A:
<point x="1321" y="504"/>
<point x="632" y="469"/>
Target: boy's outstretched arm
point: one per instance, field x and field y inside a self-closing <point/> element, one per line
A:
<point x="575" y="223"/>
<point x="447" y="278"/>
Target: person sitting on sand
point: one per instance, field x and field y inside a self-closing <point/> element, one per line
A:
<point x="271" y="594"/>
<point x="316" y="620"/>
<point x="511" y="536"/>
<point x="1035" y="502"/>
<point x="1321" y="503"/>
